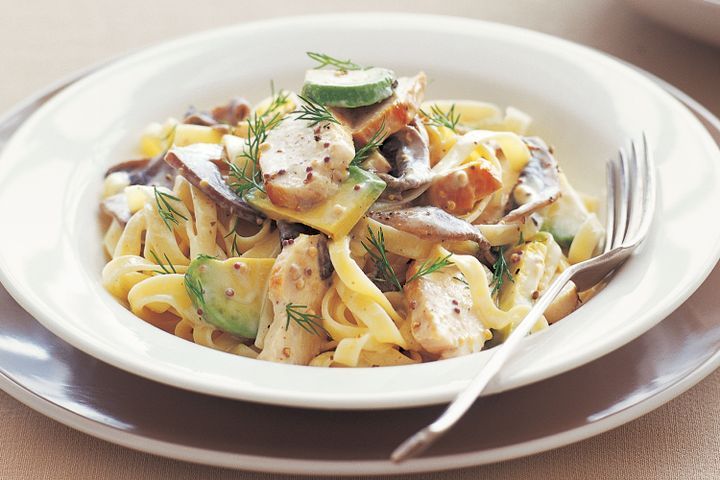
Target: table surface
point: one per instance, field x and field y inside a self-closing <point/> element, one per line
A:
<point x="42" y="40"/>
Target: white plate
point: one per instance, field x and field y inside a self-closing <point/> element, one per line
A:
<point x="584" y="103"/>
<point x="61" y="382"/>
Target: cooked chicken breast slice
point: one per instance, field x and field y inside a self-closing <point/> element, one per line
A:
<point x="396" y="111"/>
<point x="303" y="165"/>
<point x="442" y="319"/>
<point x="295" y="278"/>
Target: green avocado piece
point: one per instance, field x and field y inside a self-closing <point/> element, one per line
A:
<point x="359" y="190"/>
<point x="355" y="88"/>
<point x="229" y="293"/>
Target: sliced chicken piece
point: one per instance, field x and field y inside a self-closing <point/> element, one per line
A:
<point x="442" y="318"/>
<point x="458" y="190"/>
<point x="290" y="231"/>
<point x="303" y="165"/>
<point x="198" y="164"/>
<point x="396" y="111"/>
<point x="295" y="279"/>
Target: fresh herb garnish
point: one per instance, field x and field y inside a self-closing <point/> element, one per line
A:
<point x="250" y="176"/>
<point x="461" y="280"/>
<point x="501" y="271"/>
<point x="375" y="141"/>
<point x="309" y="322"/>
<point x="277" y="100"/>
<point x="233" y="231"/>
<point x="164" y="269"/>
<point x="314" y="112"/>
<point x="430" y="266"/>
<point x="328" y="61"/>
<point x="166" y="211"/>
<point x="521" y="240"/>
<point x="234" y="248"/>
<point x="438" y="118"/>
<point x="195" y="290"/>
<point x="377" y="252"/>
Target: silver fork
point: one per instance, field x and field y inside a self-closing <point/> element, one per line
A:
<point x="630" y="209"/>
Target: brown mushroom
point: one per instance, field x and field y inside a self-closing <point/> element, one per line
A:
<point x="197" y="163"/>
<point x="538" y="185"/>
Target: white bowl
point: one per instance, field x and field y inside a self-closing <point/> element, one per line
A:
<point x="583" y="102"/>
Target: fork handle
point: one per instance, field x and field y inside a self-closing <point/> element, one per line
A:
<point x="457" y="408"/>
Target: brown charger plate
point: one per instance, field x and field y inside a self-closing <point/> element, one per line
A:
<point x="61" y="382"/>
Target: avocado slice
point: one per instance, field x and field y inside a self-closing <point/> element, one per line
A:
<point x="229" y="294"/>
<point x="338" y="214"/>
<point x="353" y="88"/>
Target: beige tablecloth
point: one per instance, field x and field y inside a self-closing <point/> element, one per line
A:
<point x="43" y="40"/>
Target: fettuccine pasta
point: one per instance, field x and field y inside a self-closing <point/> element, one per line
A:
<point x="350" y="225"/>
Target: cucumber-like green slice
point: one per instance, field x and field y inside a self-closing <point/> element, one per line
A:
<point x="355" y="88"/>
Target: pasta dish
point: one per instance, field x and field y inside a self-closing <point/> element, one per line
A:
<point x="353" y="224"/>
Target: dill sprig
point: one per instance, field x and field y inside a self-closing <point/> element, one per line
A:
<point x="378" y="254"/>
<point x="438" y="118"/>
<point x="195" y="290"/>
<point x="234" y="250"/>
<point x="250" y="175"/>
<point x="244" y="180"/>
<point x="166" y="211"/>
<point x="461" y="280"/>
<point x="164" y="268"/>
<point x="375" y="142"/>
<point x="314" y="112"/>
<point x="309" y="322"/>
<point x="430" y="266"/>
<point x="278" y="100"/>
<point x="328" y="61"/>
<point x="501" y="271"/>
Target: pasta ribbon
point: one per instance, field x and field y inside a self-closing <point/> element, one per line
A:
<point x="354" y="278"/>
<point x="475" y="275"/>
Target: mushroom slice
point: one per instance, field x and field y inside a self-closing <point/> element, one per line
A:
<point x="146" y="171"/>
<point x="538" y="185"/>
<point x="197" y="163"/>
<point x="233" y="112"/>
<point x="409" y="155"/>
<point x="431" y="223"/>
